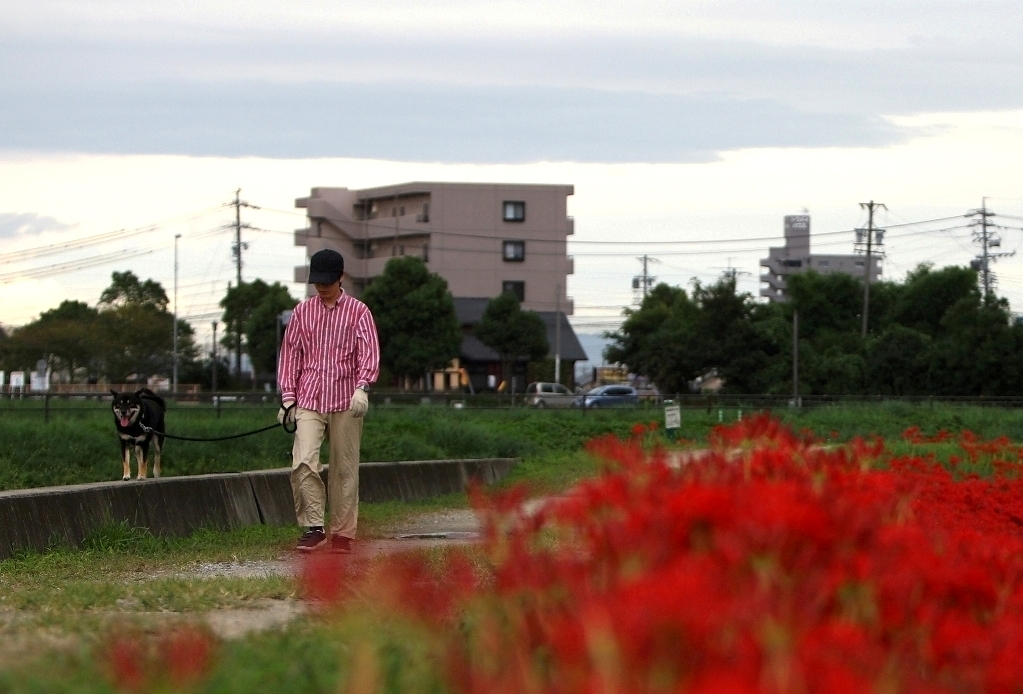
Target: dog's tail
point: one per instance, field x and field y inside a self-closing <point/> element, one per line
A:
<point x="147" y="394"/>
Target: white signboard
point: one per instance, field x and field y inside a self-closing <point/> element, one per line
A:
<point x="40" y="381"/>
<point x="2" y="379"/>
<point x="672" y="417"/>
<point x="17" y="379"/>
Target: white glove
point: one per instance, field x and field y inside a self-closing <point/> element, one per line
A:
<point x="287" y="412"/>
<point x="360" y="403"/>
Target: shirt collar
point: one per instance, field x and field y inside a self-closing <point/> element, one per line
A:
<point x="336" y="303"/>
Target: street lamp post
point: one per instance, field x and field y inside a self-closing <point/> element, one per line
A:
<point x="174" y="378"/>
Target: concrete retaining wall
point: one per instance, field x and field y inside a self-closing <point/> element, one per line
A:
<point x="33" y="519"/>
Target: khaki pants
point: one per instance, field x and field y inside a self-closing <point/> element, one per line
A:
<point x="345" y="434"/>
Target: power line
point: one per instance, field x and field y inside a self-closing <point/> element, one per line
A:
<point x="96" y="239"/>
<point x="94" y="261"/>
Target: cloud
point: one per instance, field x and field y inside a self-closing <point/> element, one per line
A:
<point x="14" y="224"/>
<point x="422" y="123"/>
<point x="699" y="79"/>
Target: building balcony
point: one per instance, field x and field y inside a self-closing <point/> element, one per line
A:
<point x="774" y="281"/>
<point x="302" y="236"/>
<point x="318" y="208"/>
<point x="301" y="274"/>
<point x="570" y="265"/>
<point x="570" y="225"/>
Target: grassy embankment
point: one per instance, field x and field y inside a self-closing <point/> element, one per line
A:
<point x="80" y="446"/>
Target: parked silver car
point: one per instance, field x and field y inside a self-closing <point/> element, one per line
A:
<point x="543" y="395"/>
<point x="607" y="396"/>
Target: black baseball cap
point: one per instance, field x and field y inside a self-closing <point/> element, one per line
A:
<point x="326" y="267"/>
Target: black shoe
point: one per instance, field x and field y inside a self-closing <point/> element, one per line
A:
<point x="340" y="544"/>
<point x="311" y="540"/>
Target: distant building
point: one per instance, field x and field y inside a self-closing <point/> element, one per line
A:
<point x="795" y="257"/>
<point x="483" y="238"/>
<point x="481" y="362"/>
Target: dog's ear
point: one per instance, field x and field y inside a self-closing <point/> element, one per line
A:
<point x="140" y="391"/>
<point x="114" y="392"/>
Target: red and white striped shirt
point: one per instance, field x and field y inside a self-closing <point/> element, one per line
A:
<point x="327" y="353"/>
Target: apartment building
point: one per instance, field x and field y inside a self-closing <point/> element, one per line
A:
<point x="483" y="238"/>
<point x="795" y="257"/>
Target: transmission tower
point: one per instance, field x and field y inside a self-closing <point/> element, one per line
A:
<point x="987" y="238"/>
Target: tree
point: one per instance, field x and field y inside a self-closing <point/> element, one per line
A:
<point x="415" y="318"/>
<point x="928" y="294"/>
<point x="66" y="337"/>
<point x="260" y="328"/>
<point x="899" y="362"/>
<point x="239" y="303"/>
<point x="512" y="332"/>
<point x="126" y="288"/>
<point x="137" y="330"/>
<point x="674" y="338"/>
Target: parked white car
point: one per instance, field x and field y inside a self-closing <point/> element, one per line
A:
<point x="544" y="395"/>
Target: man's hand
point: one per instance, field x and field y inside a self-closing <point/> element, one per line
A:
<point x="286" y="415"/>
<point x="360" y="403"/>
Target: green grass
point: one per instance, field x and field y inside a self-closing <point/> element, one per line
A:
<point x="81" y="446"/>
<point x="305" y="657"/>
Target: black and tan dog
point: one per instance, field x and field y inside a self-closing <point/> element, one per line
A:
<point x="131" y="411"/>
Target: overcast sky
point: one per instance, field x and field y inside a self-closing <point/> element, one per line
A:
<point x="675" y="121"/>
<point x="494" y="81"/>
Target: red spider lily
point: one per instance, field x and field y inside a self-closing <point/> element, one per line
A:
<point x="767" y="564"/>
<point x="126" y="663"/>
<point x="174" y="658"/>
<point x="188" y="655"/>
<point x="322" y="579"/>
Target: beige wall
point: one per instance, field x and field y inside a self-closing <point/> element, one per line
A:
<point x="464" y="235"/>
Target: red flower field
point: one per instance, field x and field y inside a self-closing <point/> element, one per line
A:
<point x="774" y="563"/>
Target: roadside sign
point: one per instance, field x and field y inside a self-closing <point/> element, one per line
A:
<point x="672" y="418"/>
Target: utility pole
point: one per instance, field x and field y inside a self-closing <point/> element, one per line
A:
<point x="237" y="249"/>
<point x="795" y="357"/>
<point x="216" y="400"/>
<point x="174" y="378"/>
<point x="870" y="207"/>
<point x="641" y="283"/>
<point x="557" y="334"/>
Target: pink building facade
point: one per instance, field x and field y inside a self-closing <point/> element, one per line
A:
<point x="483" y="238"/>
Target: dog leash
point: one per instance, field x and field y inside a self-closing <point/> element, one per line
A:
<point x="284" y="425"/>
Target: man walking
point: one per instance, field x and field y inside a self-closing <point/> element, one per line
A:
<point x="329" y="358"/>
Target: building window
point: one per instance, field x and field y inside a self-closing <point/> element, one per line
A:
<point x="514" y="251"/>
<point x="514" y="211"/>
<point x="516" y="288"/>
<point x="792" y="263"/>
<point x="823" y="263"/>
